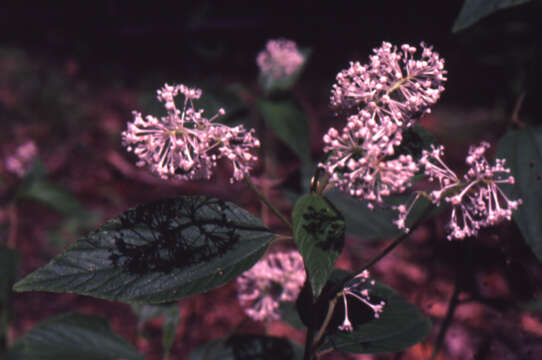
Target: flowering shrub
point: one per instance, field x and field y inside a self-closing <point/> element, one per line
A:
<point x="169" y="249"/>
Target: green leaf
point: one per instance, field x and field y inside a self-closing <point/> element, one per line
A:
<point x="289" y="314"/>
<point x="9" y="259"/>
<point x="73" y="336"/>
<point x="248" y="347"/>
<point x="369" y="224"/>
<point x="522" y="150"/>
<point x="169" y="328"/>
<point x="400" y="325"/>
<point x="55" y="197"/>
<point x="319" y="235"/>
<point x="158" y="252"/>
<point x="289" y="123"/>
<point x="533" y="305"/>
<point x="474" y="10"/>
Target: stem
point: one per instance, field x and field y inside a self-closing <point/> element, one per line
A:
<point x="452" y="305"/>
<point x="329" y="314"/>
<point x="267" y="203"/>
<point x="308" y="344"/>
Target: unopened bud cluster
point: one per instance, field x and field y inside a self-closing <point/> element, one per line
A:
<point x="276" y="278"/>
<point x="185" y="144"/>
<point x="281" y="58"/>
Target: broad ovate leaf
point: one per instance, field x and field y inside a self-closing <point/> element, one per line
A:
<point x="474" y="10"/>
<point x="158" y="252"/>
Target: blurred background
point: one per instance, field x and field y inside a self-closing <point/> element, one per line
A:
<point x="71" y="74"/>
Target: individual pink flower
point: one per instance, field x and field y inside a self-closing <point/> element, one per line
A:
<point x="281" y="58"/>
<point x="21" y="161"/>
<point x="358" y="288"/>
<point x="394" y="86"/>
<point x="276" y="278"/>
<point x="185" y="144"/>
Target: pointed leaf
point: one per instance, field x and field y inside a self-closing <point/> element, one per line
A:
<point x="289" y="123"/>
<point x="522" y="150"/>
<point x="319" y="235"/>
<point x="400" y="325"/>
<point x="474" y="10"/>
<point x="73" y="336"/>
<point x="158" y="252"/>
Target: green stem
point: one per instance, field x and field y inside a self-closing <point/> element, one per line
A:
<point x="329" y="314"/>
<point x="452" y="305"/>
<point x="267" y="203"/>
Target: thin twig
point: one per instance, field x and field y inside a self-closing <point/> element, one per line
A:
<point x="517" y="108"/>
<point x="13" y="225"/>
<point x="454" y="301"/>
<point x="263" y="198"/>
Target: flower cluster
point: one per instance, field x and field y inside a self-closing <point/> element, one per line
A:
<point x="281" y="58"/>
<point x="359" y="289"/>
<point x="477" y="201"/>
<point x="21" y="161"/>
<point x="276" y="278"/>
<point x="185" y="144"/>
<point x="383" y="99"/>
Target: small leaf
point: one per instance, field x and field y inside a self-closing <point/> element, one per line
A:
<point x="169" y="328"/>
<point x="55" y="197"/>
<point x="158" y="252"/>
<point x="73" y="336"/>
<point x="248" y="347"/>
<point x="289" y="123"/>
<point x="400" y="325"/>
<point x="319" y="235"/>
<point x="474" y="10"/>
<point x="522" y="150"/>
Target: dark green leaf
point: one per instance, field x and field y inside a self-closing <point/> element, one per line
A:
<point x="248" y="347"/>
<point x="400" y="325"/>
<point x="73" y="336"/>
<point x="319" y="235"/>
<point x="288" y="314"/>
<point x="158" y="252"/>
<point x="9" y="259"/>
<point x="378" y="223"/>
<point x="474" y="10"/>
<point x="169" y="328"/>
<point x="522" y="150"/>
<point x="289" y="123"/>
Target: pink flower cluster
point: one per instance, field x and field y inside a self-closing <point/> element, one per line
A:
<point x="383" y="98"/>
<point x="477" y="201"/>
<point x="21" y="161"/>
<point x="185" y="144"/>
<point x="281" y="58"/>
<point x="276" y="278"/>
<point x="358" y="288"/>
